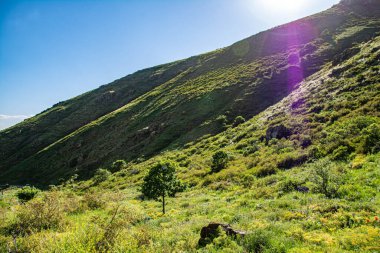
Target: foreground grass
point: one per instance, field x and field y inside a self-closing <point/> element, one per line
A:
<point x="100" y="220"/>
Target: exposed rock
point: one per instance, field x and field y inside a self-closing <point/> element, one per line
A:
<point x="278" y="132"/>
<point x="209" y="232"/>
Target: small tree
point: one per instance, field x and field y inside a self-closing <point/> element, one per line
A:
<point x="160" y="182"/>
<point x="219" y="161"/>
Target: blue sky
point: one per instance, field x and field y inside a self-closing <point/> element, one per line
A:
<point x="53" y="50"/>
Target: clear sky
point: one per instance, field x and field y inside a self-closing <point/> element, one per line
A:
<point x="52" y="50"/>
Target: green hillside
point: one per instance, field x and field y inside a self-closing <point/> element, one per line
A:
<point x="294" y="112"/>
<point x="168" y="106"/>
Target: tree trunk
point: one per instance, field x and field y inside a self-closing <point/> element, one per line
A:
<point x="163" y="203"/>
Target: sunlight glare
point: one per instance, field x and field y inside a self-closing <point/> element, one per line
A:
<point x="282" y="5"/>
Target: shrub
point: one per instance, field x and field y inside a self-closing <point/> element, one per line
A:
<point x="222" y="121"/>
<point x="305" y="141"/>
<point x="326" y="178"/>
<point x="266" y="170"/>
<point x="94" y="201"/>
<point x="258" y="241"/>
<point x="118" y="165"/>
<point x="358" y="162"/>
<point x="341" y="153"/>
<point x="316" y="152"/>
<point x="27" y="193"/>
<point x="371" y="140"/>
<point x="101" y="175"/>
<point x="110" y="229"/>
<point x="289" y="185"/>
<point x="251" y="149"/>
<point x="38" y="214"/>
<point x="221" y="242"/>
<point x="219" y="161"/>
<point x="291" y="161"/>
<point x="238" y="120"/>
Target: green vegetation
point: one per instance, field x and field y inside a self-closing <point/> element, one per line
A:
<point x="26" y="193"/>
<point x="166" y="107"/>
<point x="326" y="178"/>
<point x="101" y="175"/>
<point x="219" y="161"/>
<point x="161" y="182"/>
<point x="296" y="167"/>
<point x="118" y="165"/>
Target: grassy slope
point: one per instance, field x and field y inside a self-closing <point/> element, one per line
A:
<point x="34" y="134"/>
<point x="334" y="108"/>
<point x="243" y="79"/>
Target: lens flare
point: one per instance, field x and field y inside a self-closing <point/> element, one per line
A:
<point x="282" y="5"/>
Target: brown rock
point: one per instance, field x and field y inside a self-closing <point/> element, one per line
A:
<point x="209" y="232"/>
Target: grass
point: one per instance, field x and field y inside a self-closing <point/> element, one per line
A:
<point x="314" y="189"/>
<point x="110" y="216"/>
<point x="153" y="110"/>
<point x="293" y="221"/>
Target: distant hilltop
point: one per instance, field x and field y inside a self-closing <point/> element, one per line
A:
<point x="354" y="2"/>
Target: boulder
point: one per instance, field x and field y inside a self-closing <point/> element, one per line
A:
<point x="209" y="232"/>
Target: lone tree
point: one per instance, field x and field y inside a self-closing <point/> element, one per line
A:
<point x="160" y="182"/>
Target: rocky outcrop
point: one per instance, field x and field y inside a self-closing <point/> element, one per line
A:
<point x="209" y="232"/>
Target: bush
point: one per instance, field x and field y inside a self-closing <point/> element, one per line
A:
<point x="101" y="175"/>
<point x="305" y="141"/>
<point x="291" y="161"/>
<point x="94" y="201"/>
<point x="219" y="161"/>
<point x="266" y="240"/>
<point x="251" y="149"/>
<point x="326" y="178"/>
<point x="27" y="193"/>
<point x="118" y="165"/>
<point x="238" y="120"/>
<point x="38" y="214"/>
<point x="371" y="140"/>
<point x="341" y="153"/>
<point x="316" y="152"/>
<point x="266" y="170"/>
<point x="289" y="185"/>
<point x="258" y="241"/>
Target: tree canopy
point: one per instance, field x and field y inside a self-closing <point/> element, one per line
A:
<point x="161" y="181"/>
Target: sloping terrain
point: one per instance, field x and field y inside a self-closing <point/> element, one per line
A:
<point x="302" y="176"/>
<point x="303" y="168"/>
<point x="170" y="105"/>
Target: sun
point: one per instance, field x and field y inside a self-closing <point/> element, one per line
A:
<point x="281" y="5"/>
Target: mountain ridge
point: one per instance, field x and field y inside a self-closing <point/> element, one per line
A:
<point x="261" y="68"/>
